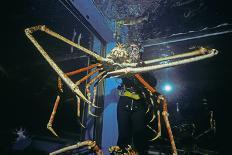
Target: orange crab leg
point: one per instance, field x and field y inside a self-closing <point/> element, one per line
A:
<point x="49" y="125"/>
<point x="165" y="116"/>
<point x="146" y="85"/>
<point x="87" y="76"/>
<point x="83" y="69"/>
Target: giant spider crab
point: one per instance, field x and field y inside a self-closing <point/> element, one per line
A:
<point x="117" y="63"/>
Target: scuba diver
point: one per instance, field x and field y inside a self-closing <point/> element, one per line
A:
<point x="131" y="109"/>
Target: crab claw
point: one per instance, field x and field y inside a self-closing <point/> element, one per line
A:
<point x="80" y="94"/>
<point x="49" y="127"/>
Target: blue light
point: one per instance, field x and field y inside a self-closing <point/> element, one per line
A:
<point x="167" y="88"/>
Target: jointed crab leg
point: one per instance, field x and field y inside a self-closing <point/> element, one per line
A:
<point x="165" y="117"/>
<point x="102" y="76"/>
<point x="59" y="85"/>
<point x="60" y="88"/>
<point x="78" y="111"/>
<point x="153" y="117"/>
<point x="130" y="70"/>
<point x="146" y="85"/>
<point x="201" y="51"/>
<point x="83" y="69"/>
<point x="90" y="144"/>
<point x="30" y="30"/>
<point x="90" y="83"/>
<point x="78" y="106"/>
<point x="50" y="123"/>
<point x="89" y="111"/>
<point x="99" y="76"/>
<point x="94" y="96"/>
<point x="87" y="76"/>
<point x="159" y="127"/>
<point x="63" y="76"/>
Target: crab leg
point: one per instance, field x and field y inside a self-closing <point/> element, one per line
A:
<point x="99" y="76"/>
<point x="131" y="70"/>
<point x="95" y="89"/>
<point x="78" y="106"/>
<point x="94" y="96"/>
<point x="87" y="76"/>
<point x="74" y="73"/>
<point x="89" y="111"/>
<point x="50" y="123"/>
<point x="152" y="102"/>
<point x="89" y="84"/>
<point x="153" y="117"/>
<point x="151" y="129"/>
<point x="83" y="69"/>
<point x="165" y="117"/>
<point x="78" y="110"/>
<point x="148" y="109"/>
<point x="30" y="30"/>
<point x="158" y="115"/>
<point x="159" y="127"/>
<point x="146" y="85"/>
<point x="90" y="144"/>
<point x="60" y="85"/>
<point x="64" y="77"/>
<point x="201" y="51"/>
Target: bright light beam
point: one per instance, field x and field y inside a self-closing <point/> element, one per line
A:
<point x="167" y="88"/>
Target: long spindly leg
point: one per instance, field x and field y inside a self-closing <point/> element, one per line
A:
<point x="205" y="54"/>
<point x="145" y="84"/>
<point x="29" y="31"/>
<point x="83" y="69"/>
<point x="50" y="122"/>
<point x="67" y="80"/>
<point x="81" y="80"/>
<point x="94" y="97"/>
<point x="153" y="117"/>
<point x="87" y="76"/>
<point x="90" y="83"/>
<point x="98" y="77"/>
<point x="152" y="104"/>
<point x="167" y="124"/>
<point x="90" y="144"/>
<point x="79" y="111"/>
<point x="89" y="111"/>
<point x="159" y="127"/>
<point x="84" y="79"/>
<point x="102" y="77"/>
<point x="89" y="93"/>
<point x="158" y="132"/>
<point x="60" y="88"/>
<point x="195" y="53"/>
